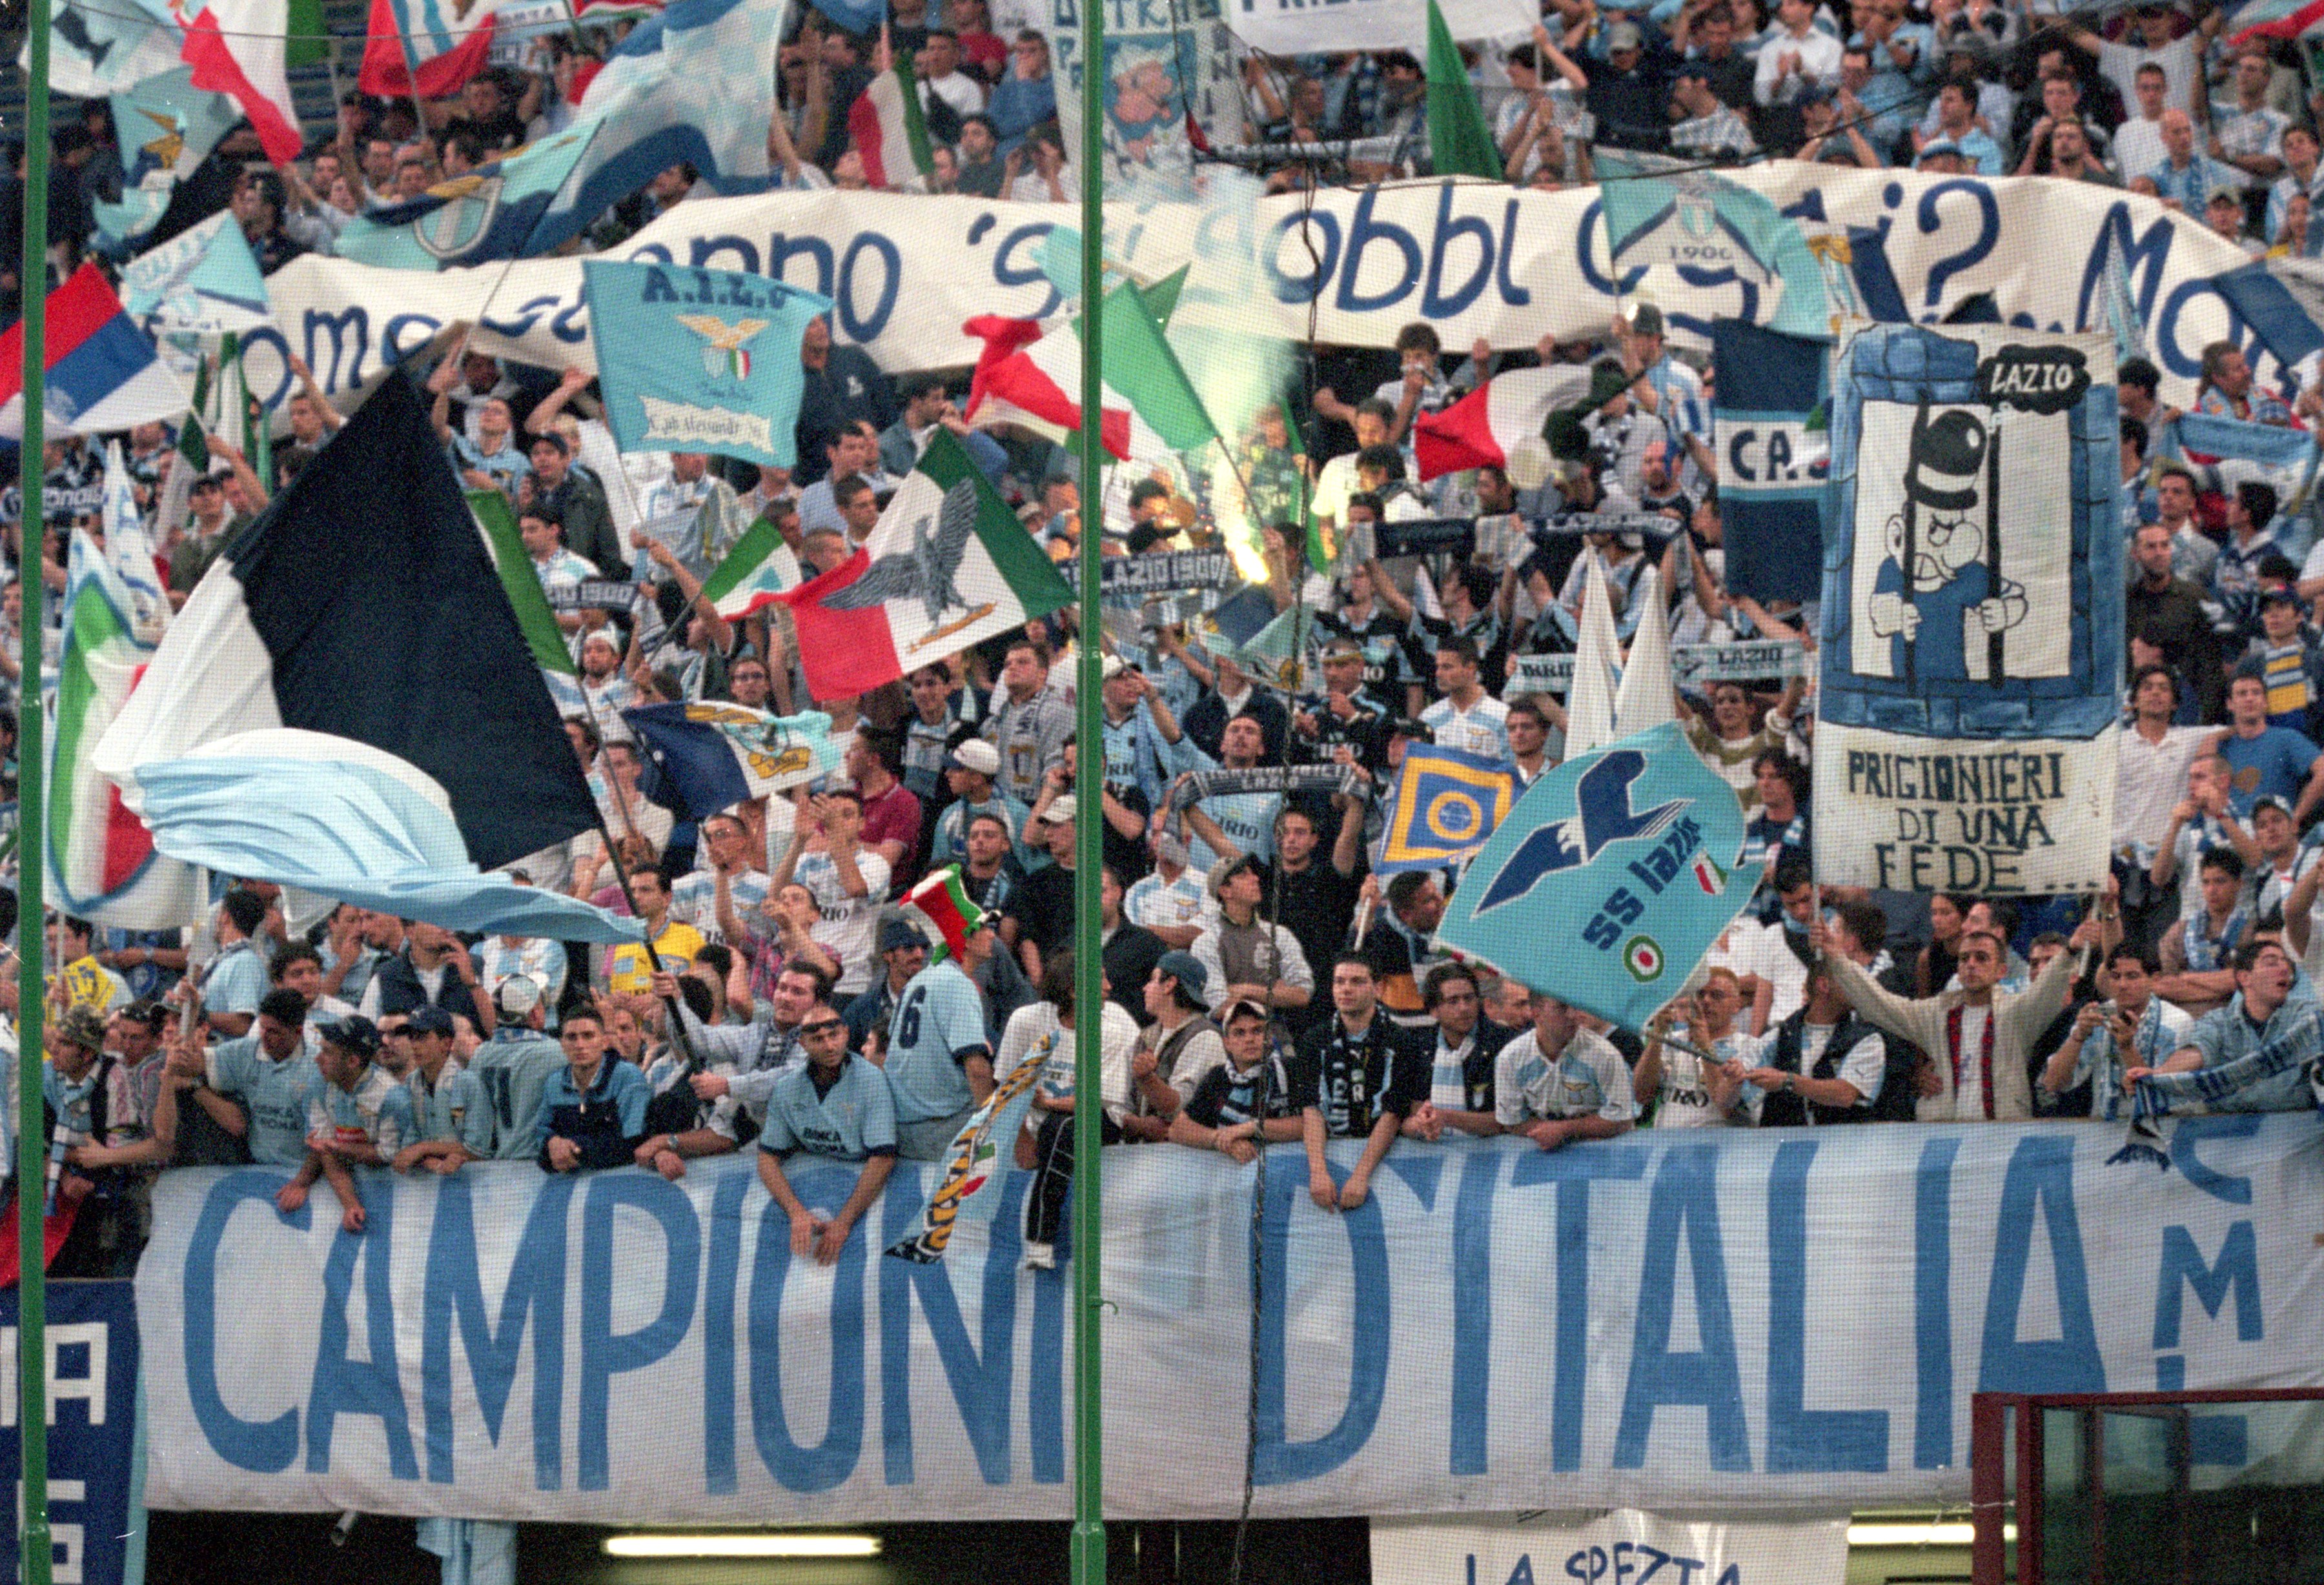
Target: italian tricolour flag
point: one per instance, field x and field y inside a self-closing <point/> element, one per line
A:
<point x="1031" y="374"/>
<point x="947" y="566"/>
<point x="888" y="130"/>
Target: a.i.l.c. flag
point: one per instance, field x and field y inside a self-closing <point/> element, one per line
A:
<point x="699" y="360"/>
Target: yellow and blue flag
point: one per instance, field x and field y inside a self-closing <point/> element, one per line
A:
<point x="1447" y="803"/>
<point x="699" y="360"/>
<point x="1611" y="879"/>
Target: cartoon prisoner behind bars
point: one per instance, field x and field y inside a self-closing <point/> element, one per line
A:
<point x="1956" y="599"/>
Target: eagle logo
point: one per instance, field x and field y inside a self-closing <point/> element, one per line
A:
<point x="725" y="357"/>
<point x="163" y="150"/>
<point x="927" y="570"/>
<point x="765" y="744"/>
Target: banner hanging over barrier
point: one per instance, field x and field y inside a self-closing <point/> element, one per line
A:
<point x="1786" y="1320"/>
<point x="1972" y="613"/>
<point x="905" y="272"/>
<point x="1625" y="1547"/>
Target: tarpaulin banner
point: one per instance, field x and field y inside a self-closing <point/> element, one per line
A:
<point x="1972" y="613"/>
<point x="1625" y="1547"/>
<point x="1645" y="1320"/>
<point x="905" y="272"/>
<point x="96" y="1514"/>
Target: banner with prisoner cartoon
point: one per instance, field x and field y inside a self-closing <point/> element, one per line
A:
<point x="1972" y="613"/>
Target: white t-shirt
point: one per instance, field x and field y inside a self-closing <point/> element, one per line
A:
<point x="847" y="927"/>
<point x="1038" y="1025"/>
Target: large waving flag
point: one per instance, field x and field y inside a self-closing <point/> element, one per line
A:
<point x="1459" y="143"/>
<point x="1034" y="376"/>
<point x="204" y="280"/>
<point x="1609" y="880"/>
<point x="1507" y="412"/>
<point x="499" y="210"/>
<point x="129" y="551"/>
<point x="712" y="756"/>
<point x="167" y="127"/>
<point x="947" y="566"/>
<point x="104" y="48"/>
<point x="343" y="820"/>
<point x="239" y="47"/>
<point x="691" y="83"/>
<point x="398" y="637"/>
<point x="427" y="48"/>
<point x="1447" y="804"/>
<point x="699" y="360"/>
<point x="102" y="373"/>
<point x="100" y="859"/>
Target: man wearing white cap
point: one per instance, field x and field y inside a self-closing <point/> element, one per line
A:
<point x="970" y="770"/>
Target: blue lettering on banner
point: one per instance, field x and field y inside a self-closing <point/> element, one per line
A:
<point x="1640" y="1309"/>
<point x="92" y="1428"/>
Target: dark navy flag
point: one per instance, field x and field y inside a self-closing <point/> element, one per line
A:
<point x="1773" y="458"/>
<point x="361" y="604"/>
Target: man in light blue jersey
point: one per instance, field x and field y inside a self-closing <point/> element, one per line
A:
<point x="270" y="1072"/>
<point x="939" y="1044"/>
<point x="358" y="1116"/>
<point x="837" y="1107"/>
<point x="514" y="1068"/>
<point x="452" y="1120"/>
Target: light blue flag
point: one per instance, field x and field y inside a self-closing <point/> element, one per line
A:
<point x="167" y="127"/>
<point x="493" y="212"/>
<point x="104" y="48"/>
<point x="690" y="83"/>
<point x="1609" y="880"/>
<point x="129" y="548"/>
<point x="1699" y="220"/>
<point x="339" y="818"/>
<point x="699" y="360"/>
<point x="202" y="281"/>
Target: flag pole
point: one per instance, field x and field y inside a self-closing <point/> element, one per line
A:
<point x="1086" y="1549"/>
<point x="32" y="933"/>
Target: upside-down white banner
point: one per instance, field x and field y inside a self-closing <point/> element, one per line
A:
<point x="1773" y="1321"/>
<point x="1473" y="259"/>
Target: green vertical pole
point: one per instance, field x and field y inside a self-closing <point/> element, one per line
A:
<point x="1087" y="1553"/>
<point x="31" y="935"/>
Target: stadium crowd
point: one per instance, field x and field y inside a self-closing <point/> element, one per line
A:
<point x="816" y="995"/>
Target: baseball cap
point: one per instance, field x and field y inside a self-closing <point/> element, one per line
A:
<point x="1238" y="1008"/>
<point x="1169" y="849"/>
<point x="2279" y="592"/>
<point x="354" y="1033"/>
<point x="974" y="755"/>
<point x="1646" y="319"/>
<point x="2276" y="801"/>
<point x="2223" y="194"/>
<point x="79" y="1026"/>
<point x="1343" y="648"/>
<point x="1623" y="35"/>
<point x="1186" y="969"/>
<point x="1060" y="811"/>
<point x="1936" y="146"/>
<point x="1115" y="665"/>
<point x="430" y="1020"/>
<point x="518" y="994"/>
<point x="1226" y="870"/>
<point x="899" y="933"/>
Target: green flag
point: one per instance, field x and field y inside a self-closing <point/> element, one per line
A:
<point x="534" y="619"/>
<point x="759" y="566"/>
<point x="1323" y="548"/>
<point x="1141" y="366"/>
<point x="1161" y="299"/>
<point x="1459" y="141"/>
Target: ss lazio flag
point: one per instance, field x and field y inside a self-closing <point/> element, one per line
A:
<point x="1609" y="880"/>
<point x="699" y="360"/>
<point x="947" y="566"/>
<point x="361" y="604"/>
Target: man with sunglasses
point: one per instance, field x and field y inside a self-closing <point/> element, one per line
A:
<point x="1979" y="1038"/>
<point x="838" y="1108"/>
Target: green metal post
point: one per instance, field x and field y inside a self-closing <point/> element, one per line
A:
<point x="31" y="934"/>
<point x="1087" y="1551"/>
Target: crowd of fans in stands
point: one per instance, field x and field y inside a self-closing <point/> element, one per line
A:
<point x="1263" y="985"/>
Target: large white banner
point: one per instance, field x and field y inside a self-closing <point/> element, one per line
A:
<point x="1624" y="1547"/>
<point x="1287" y="28"/>
<point x="1778" y="1321"/>
<point x="1473" y="259"/>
